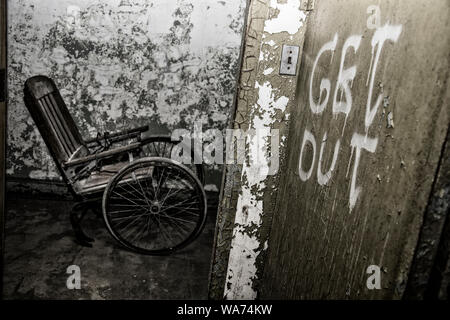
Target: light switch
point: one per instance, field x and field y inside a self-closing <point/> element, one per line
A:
<point x="289" y="58"/>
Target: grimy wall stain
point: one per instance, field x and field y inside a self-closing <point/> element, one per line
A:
<point x="121" y="64"/>
<point x="364" y="144"/>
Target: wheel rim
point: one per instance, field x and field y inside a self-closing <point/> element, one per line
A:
<point x="154" y="206"/>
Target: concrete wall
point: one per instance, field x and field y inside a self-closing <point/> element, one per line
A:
<point x="364" y="141"/>
<point x="121" y="64"/>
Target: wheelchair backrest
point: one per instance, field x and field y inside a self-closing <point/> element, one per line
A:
<point x="50" y="113"/>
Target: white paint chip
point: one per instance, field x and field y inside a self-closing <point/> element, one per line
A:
<point x="268" y="71"/>
<point x="290" y="18"/>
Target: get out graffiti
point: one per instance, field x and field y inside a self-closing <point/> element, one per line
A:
<point x="337" y="98"/>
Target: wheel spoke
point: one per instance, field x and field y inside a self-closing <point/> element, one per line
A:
<point x="164" y="150"/>
<point x="129" y="224"/>
<point x="129" y="217"/>
<point x="159" y="182"/>
<point x="120" y="211"/>
<point x="143" y="192"/>
<point x="179" y="226"/>
<point x="131" y="193"/>
<point x="138" y="205"/>
<point x="154" y="147"/>
<point x="178" y="204"/>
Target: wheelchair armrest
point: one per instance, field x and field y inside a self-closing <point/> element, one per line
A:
<point x="119" y="136"/>
<point x="102" y="155"/>
<point x="91" y="143"/>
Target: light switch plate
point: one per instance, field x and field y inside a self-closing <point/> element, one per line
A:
<point x="289" y="59"/>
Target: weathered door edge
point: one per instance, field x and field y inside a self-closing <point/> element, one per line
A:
<point x="225" y="217"/>
<point x="237" y="269"/>
<point x="432" y="239"/>
<point x="219" y="216"/>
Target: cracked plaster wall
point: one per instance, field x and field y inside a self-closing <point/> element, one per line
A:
<point x="122" y="64"/>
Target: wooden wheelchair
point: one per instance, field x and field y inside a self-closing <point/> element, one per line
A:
<point x="150" y="203"/>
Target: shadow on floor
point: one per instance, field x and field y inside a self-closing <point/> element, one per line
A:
<point x="40" y="247"/>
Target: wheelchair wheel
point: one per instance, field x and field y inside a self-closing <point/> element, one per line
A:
<point x="163" y="146"/>
<point x="154" y="206"/>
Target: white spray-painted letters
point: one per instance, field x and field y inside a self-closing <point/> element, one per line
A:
<point x="318" y="101"/>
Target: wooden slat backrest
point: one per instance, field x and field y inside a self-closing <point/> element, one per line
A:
<point x="53" y="119"/>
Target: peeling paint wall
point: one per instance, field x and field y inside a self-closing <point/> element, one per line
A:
<point x="121" y="64"/>
<point x="265" y="100"/>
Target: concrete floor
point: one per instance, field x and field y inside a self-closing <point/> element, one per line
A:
<point x="40" y="247"/>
